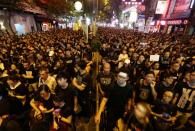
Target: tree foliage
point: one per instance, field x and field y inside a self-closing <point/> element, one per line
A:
<point x="106" y="10"/>
<point x="12" y="4"/>
<point x="55" y="7"/>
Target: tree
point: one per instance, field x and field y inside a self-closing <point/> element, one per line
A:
<point x="107" y="8"/>
<point x="115" y="4"/>
<point x="55" y="7"/>
<point x="11" y="4"/>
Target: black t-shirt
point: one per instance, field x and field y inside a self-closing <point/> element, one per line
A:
<point x="186" y="95"/>
<point x="188" y="125"/>
<point x="135" y="125"/>
<point x="29" y="72"/>
<point x="164" y="63"/>
<point x="20" y="90"/>
<point x="118" y="97"/>
<point x="48" y="104"/>
<point x="3" y="81"/>
<point x="69" y="62"/>
<point x="69" y="93"/>
<point x="169" y="109"/>
<point x="105" y="81"/>
<point x="66" y="111"/>
<point x="104" y="52"/>
<point x="176" y="75"/>
<point x="16" y="106"/>
<point x="138" y="71"/>
<point x="143" y="93"/>
<point x="5" y="106"/>
<point x="161" y="88"/>
<point x="84" y="96"/>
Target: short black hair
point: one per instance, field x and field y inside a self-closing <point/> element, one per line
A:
<point x="44" y="69"/>
<point x="43" y="87"/>
<point x="65" y="75"/>
<point x="3" y="91"/>
<point x="168" y="75"/>
<point x="150" y="72"/>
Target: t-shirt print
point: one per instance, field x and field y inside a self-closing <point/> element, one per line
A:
<point x="188" y="95"/>
<point x="29" y="73"/>
<point x="105" y="81"/>
<point x="144" y="93"/>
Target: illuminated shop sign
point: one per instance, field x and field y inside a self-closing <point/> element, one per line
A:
<point x="177" y="22"/>
<point x="132" y="2"/>
<point x="161" y="7"/>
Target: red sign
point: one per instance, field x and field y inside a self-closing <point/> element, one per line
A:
<point x="177" y="22"/>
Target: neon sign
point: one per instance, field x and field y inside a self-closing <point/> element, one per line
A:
<point x="132" y="2"/>
<point x="177" y="22"/>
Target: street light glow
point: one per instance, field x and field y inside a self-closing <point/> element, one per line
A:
<point x="78" y="5"/>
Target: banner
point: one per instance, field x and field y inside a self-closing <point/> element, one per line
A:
<point x="181" y="9"/>
<point x="85" y="31"/>
<point x="161" y="7"/>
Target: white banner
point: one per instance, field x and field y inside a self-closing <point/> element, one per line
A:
<point x="161" y="7"/>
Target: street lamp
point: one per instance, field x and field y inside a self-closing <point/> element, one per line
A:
<point x="78" y="6"/>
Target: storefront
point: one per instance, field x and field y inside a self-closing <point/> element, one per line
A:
<point x="177" y="26"/>
<point x="22" y="23"/>
<point x="172" y="26"/>
<point x="44" y="23"/>
<point x="4" y="21"/>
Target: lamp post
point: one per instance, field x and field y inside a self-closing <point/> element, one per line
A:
<point x="78" y="8"/>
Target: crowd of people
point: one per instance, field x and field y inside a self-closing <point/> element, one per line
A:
<point x="49" y="81"/>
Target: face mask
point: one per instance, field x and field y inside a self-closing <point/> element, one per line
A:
<point x="121" y="83"/>
<point x="191" y="84"/>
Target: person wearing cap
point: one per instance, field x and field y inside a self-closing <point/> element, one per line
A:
<point x="115" y="99"/>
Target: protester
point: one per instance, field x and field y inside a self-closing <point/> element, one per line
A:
<point x="166" y="113"/>
<point x="56" y="69"/>
<point x="117" y="96"/>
